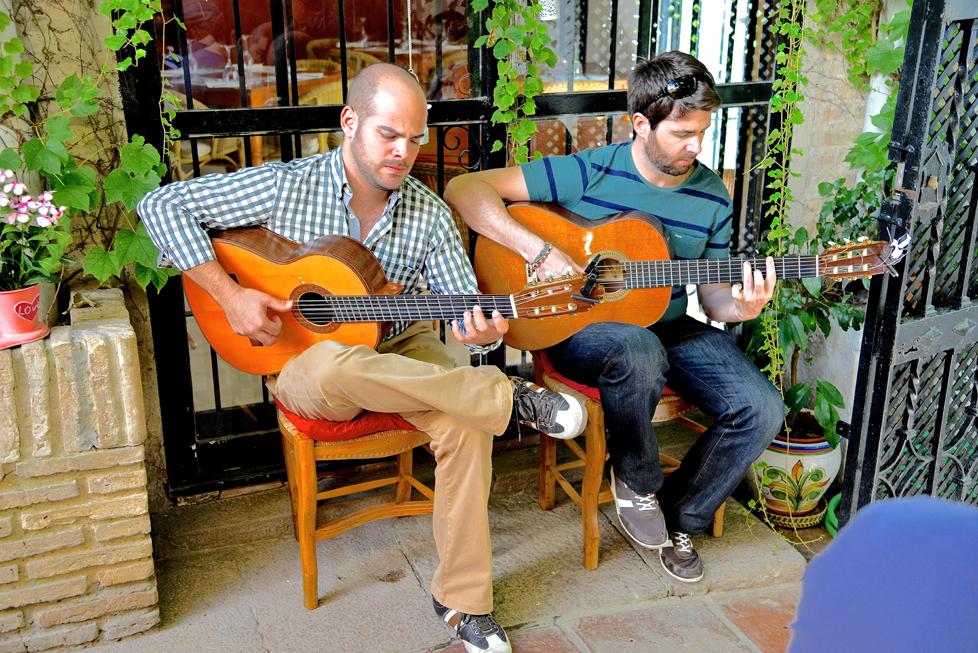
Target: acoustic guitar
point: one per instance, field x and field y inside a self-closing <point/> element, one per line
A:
<point x="635" y="267"/>
<point x="340" y="292"/>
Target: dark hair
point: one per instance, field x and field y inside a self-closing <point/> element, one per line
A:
<point x="649" y="79"/>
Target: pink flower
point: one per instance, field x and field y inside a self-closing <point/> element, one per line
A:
<point x="43" y="221"/>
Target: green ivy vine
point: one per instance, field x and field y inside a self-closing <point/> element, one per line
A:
<point x="78" y="182"/>
<point x="520" y="44"/>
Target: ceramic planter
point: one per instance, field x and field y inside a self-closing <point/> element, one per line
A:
<point x="799" y="471"/>
<point x="19" y="310"/>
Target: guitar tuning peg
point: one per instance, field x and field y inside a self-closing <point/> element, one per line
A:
<point x="862" y="239"/>
<point x="832" y="243"/>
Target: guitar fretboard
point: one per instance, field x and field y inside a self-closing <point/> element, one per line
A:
<point x="394" y="308"/>
<point x="659" y="274"/>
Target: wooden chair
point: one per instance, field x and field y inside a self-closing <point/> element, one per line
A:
<point x="671" y="408"/>
<point x="228" y="152"/>
<point x="317" y="64"/>
<point x="370" y="435"/>
<point x="325" y="44"/>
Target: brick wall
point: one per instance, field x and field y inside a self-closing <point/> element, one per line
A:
<point x="76" y="559"/>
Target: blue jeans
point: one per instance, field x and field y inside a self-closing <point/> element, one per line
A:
<point x="630" y="365"/>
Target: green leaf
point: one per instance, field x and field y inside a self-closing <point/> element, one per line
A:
<point x="831" y="393"/>
<point x="481" y="41"/>
<point x="24" y="69"/>
<point x="827" y="417"/>
<point x="84" y="108"/>
<point x="115" y="42"/>
<point x="797" y="396"/>
<point x="130" y="246"/>
<point x="501" y="50"/>
<point x="10" y="160"/>
<point x="13" y="46"/>
<point x="884" y="56"/>
<point x="4" y="21"/>
<point x="100" y="264"/>
<point x="58" y="128"/>
<point x="74" y="196"/>
<point x="480" y="5"/>
<point x="156" y="276"/>
<point x="129" y="188"/>
<point x="24" y="93"/>
<point x="38" y="156"/>
<point x="137" y="157"/>
<point x="813" y="285"/>
<point x="514" y="33"/>
<point x="795" y="332"/>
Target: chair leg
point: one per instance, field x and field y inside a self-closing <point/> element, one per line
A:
<point x="405" y="463"/>
<point x="288" y="450"/>
<point x="306" y="491"/>
<point x="716" y="527"/>
<point x="595" y="455"/>
<point x="548" y="482"/>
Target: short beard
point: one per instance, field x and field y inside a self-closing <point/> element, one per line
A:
<point x="370" y="175"/>
<point x="654" y="155"/>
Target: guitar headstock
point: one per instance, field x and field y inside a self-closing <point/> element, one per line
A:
<point x="555" y="297"/>
<point x="863" y="258"/>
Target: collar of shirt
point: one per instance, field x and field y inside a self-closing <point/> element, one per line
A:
<point x="338" y="172"/>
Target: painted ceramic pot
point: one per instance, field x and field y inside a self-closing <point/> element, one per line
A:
<point x="797" y="474"/>
<point x="19" y="311"/>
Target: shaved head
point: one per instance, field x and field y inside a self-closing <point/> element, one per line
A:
<point x="378" y="79"/>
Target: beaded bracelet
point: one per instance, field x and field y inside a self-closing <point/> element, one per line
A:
<point x="541" y="257"/>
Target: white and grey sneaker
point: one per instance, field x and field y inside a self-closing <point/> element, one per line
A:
<point x="479" y="632"/>
<point x="639" y="514"/>
<point x="554" y="413"/>
<point x="680" y="559"/>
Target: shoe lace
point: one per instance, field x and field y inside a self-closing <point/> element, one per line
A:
<point x="645" y="502"/>
<point x="681" y="542"/>
<point x="482" y="624"/>
<point x="531" y="407"/>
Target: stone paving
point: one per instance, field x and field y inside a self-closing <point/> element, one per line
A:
<point x="230" y="581"/>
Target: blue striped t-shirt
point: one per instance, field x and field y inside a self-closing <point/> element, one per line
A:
<point x="601" y="182"/>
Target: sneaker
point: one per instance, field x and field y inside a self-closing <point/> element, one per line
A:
<point x="640" y="515"/>
<point x="680" y="560"/>
<point x="554" y="413"/>
<point x="479" y="632"/>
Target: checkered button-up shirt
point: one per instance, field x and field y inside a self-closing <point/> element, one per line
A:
<point x="415" y="239"/>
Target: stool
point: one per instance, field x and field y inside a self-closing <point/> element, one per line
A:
<point x="369" y="435"/>
<point x="592" y="458"/>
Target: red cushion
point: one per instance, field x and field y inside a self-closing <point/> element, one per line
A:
<point x="363" y="424"/>
<point x="586" y="390"/>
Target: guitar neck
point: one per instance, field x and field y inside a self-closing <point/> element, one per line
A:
<point x="658" y="274"/>
<point x="400" y="308"/>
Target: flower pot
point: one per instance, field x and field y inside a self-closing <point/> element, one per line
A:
<point x="799" y="471"/>
<point x="19" y="317"/>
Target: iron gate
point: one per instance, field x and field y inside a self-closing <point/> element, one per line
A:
<point x="914" y="429"/>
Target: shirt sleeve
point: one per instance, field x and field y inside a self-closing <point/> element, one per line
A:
<point x="178" y="215"/>
<point x="718" y="243"/>
<point x="556" y="179"/>
<point x="447" y="267"/>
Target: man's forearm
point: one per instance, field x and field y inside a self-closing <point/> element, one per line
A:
<point x="211" y="277"/>
<point x="482" y="208"/>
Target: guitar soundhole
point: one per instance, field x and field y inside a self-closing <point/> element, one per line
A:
<point x="310" y="308"/>
<point x="611" y="274"/>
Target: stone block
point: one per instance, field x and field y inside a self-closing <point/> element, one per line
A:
<point x="38" y="494"/>
<point x="75" y="437"/>
<point x="125" y="574"/>
<point x="42" y="640"/>
<point x="36" y="520"/>
<point x="39" y="381"/>
<point x="12" y="644"/>
<point x="93" y="557"/>
<point x="105" y="414"/>
<point x="6" y="526"/>
<point x="89" y="609"/>
<point x="9" y="429"/>
<point x="81" y="462"/>
<point x="128" y="506"/>
<point x="105" y="304"/>
<point x="124" y="528"/>
<point x="123" y="356"/>
<point x="33" y="546"/>
<point x="11" y="621"/>
<point x="109" y="483"/>
<point x="9" y="574"/>
<point x="43" y="592"/>
<point x="130" y="623"/>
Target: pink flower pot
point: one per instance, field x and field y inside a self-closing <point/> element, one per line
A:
<point x="19" y="317"/>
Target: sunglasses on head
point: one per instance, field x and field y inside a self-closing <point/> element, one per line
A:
<point x="685" y="86"/>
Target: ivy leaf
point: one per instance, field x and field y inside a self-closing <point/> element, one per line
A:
<point x="115" y="42"/>
<point x="58" y="128"/>
<point x="24" y="93"/>
<point x="24" y="69"/>
<point x="813" y="285"/>
<point x="137" y="157"/>
<point x="129" y="188"/>
<point x="13" y="46"/>
<point x="481" y="41"/>
<point x="156" y="276"/>
<point x="4" y="21"/>
<point x="884" y="56"/>
<point x="480" y="5"/>
<point x="501" y="50"/>
<point x="38" y="156"/>
<point x="100" y="264"/>
<point x="73" y="196"/>
<point x="84" y="108"/>
<point x="514" y="33"/>
<point x="130" y="247"/>
<point x="9" y="159"/>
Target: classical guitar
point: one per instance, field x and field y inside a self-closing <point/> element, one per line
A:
<point x="635" y="267"/>
<point x="339" y="292"/>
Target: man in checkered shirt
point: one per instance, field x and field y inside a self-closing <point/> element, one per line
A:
<point x="363" y="191"/>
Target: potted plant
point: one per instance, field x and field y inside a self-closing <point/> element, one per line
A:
<point x="32" y="246"/>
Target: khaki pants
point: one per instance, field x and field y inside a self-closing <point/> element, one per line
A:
<point x="460" y="408"/>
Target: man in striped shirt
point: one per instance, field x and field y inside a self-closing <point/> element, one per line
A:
<point x="671" y="99"/>
<point x="363" y="191"/>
